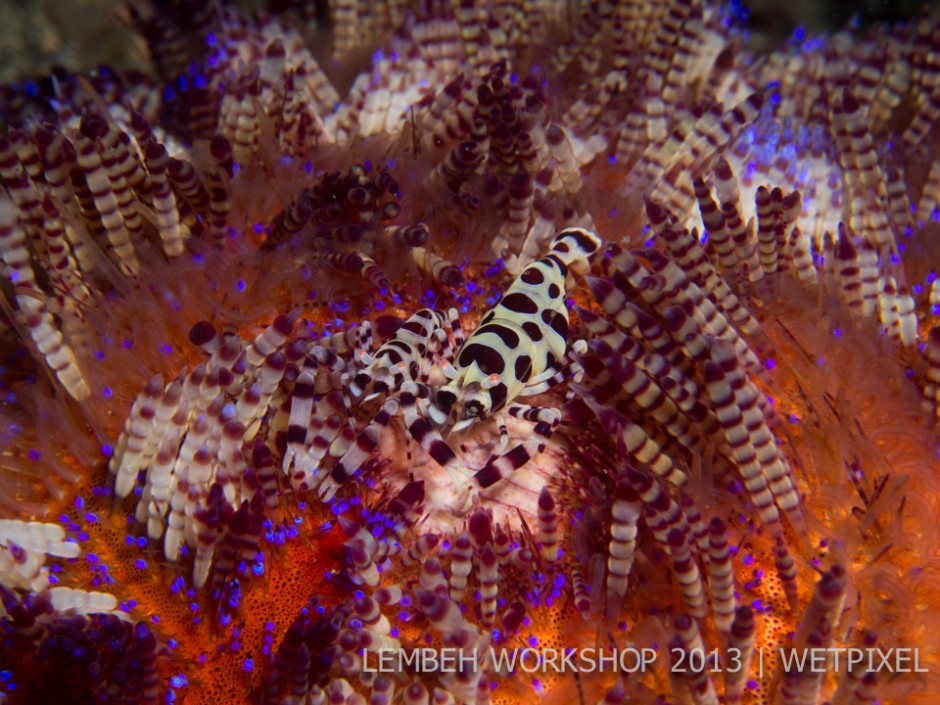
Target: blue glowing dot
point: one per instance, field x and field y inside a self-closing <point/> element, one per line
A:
<point x="240" y="286"/>
<point x="178" y="681"/>
<point x="837" y="332"/>
<point x="248" y="665"/>
<point x="33" y="454"/>
<point x="140" y="564"/>
<point x="99" y="354"/>
<point x="108" y="392"/>
<point x="166" y="349"/>
<point x="770" y="364"/>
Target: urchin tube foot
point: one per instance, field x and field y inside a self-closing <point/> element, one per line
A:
<point x="465" y="494"/>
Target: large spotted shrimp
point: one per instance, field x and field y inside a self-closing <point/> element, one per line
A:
<point x="518" y="350"/>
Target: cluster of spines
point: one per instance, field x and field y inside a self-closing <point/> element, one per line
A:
<point x="347" y="221"/>
<point x="497" y="145"/>
<point x="87" y="205"/>
<point x="37" y="317"/>
<point x="100" y="656"/>
<point x="701" y="562"/>
<point x="206" y="477"/>
<point x="859" y="270"/>
<point x="322" y="651"/>
<point x="659" y="356"/>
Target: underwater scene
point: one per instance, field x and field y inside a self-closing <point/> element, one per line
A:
<point x="438" y="352"/>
